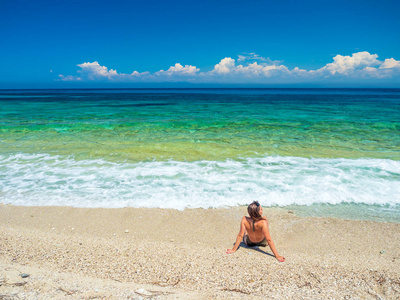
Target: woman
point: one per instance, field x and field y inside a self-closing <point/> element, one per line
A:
<point x="254" y="231"/>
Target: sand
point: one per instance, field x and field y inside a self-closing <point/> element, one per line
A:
<point x="130" y="253"/>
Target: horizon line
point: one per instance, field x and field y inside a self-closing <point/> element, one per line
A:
<point x="208" y="88"/>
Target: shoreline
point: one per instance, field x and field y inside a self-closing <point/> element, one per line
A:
<point x="181" y="255"/>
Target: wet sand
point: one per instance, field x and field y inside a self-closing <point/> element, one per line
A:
<point x="168" y="254"/>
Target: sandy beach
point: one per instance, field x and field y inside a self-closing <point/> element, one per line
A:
<point x="144" y="253"/>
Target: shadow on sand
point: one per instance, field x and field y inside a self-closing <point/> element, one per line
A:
<point x="255" y="248"/>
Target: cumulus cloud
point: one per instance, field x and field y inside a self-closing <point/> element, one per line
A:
<point x="93" y="70"/>
<point x="346" y="65"/>
<point x="228" y="67"/>
<point x="390" y="63"/>
<point x="225" y="66"/>
<point x="250" y="67"/>
<point x="260" y="70"/>
<point x="178" y="69"/>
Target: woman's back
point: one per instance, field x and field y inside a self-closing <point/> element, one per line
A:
<point x="255" y="229"/>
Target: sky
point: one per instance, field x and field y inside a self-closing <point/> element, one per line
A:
<point x="286" y="43"/>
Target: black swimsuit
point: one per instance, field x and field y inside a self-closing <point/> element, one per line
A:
<point x="249" y="243"/>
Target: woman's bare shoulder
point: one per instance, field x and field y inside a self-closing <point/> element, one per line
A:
<point x="246" y="220"/>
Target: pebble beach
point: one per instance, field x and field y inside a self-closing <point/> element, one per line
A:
<point x="151" y="253"/>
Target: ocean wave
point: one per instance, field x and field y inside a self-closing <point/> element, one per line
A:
<point x="42" y="180"/>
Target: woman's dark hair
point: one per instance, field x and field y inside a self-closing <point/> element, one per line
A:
<point x="254" y="211"/>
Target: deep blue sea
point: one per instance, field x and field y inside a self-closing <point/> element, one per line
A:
<point x="318" y="152"/>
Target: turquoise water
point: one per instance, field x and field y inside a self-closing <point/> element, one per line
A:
<point x="203" y="148"/>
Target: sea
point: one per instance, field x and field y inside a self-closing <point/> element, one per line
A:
<point x="316" y="152"/>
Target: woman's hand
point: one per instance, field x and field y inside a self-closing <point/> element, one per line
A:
<point x="230" y="251"/>
<point x="280" y="258"/>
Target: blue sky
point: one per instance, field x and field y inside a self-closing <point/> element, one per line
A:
<point x="60" y="44"/>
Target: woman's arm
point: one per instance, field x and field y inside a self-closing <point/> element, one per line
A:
<point x="270" y="242"/>
<point x="239" y="237"/>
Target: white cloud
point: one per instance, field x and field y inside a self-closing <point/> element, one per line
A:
<point x="298" y="71"/>
<point x="346" y="65"/>
<point x="390" y="63"/>
<point x="228" y="69"/>
<point x="250" y="70"/>
<point x="178" y="69"/>
<point x="225" y="66"/>
<point x="260" y="70"/>
<point x="359" y="65"/>
<point x="93" y="70"/>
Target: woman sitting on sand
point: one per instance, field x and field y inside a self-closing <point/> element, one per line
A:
<point x="254" y="231"/>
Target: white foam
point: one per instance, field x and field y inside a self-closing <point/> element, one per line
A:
<point x="43" y="179"/>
